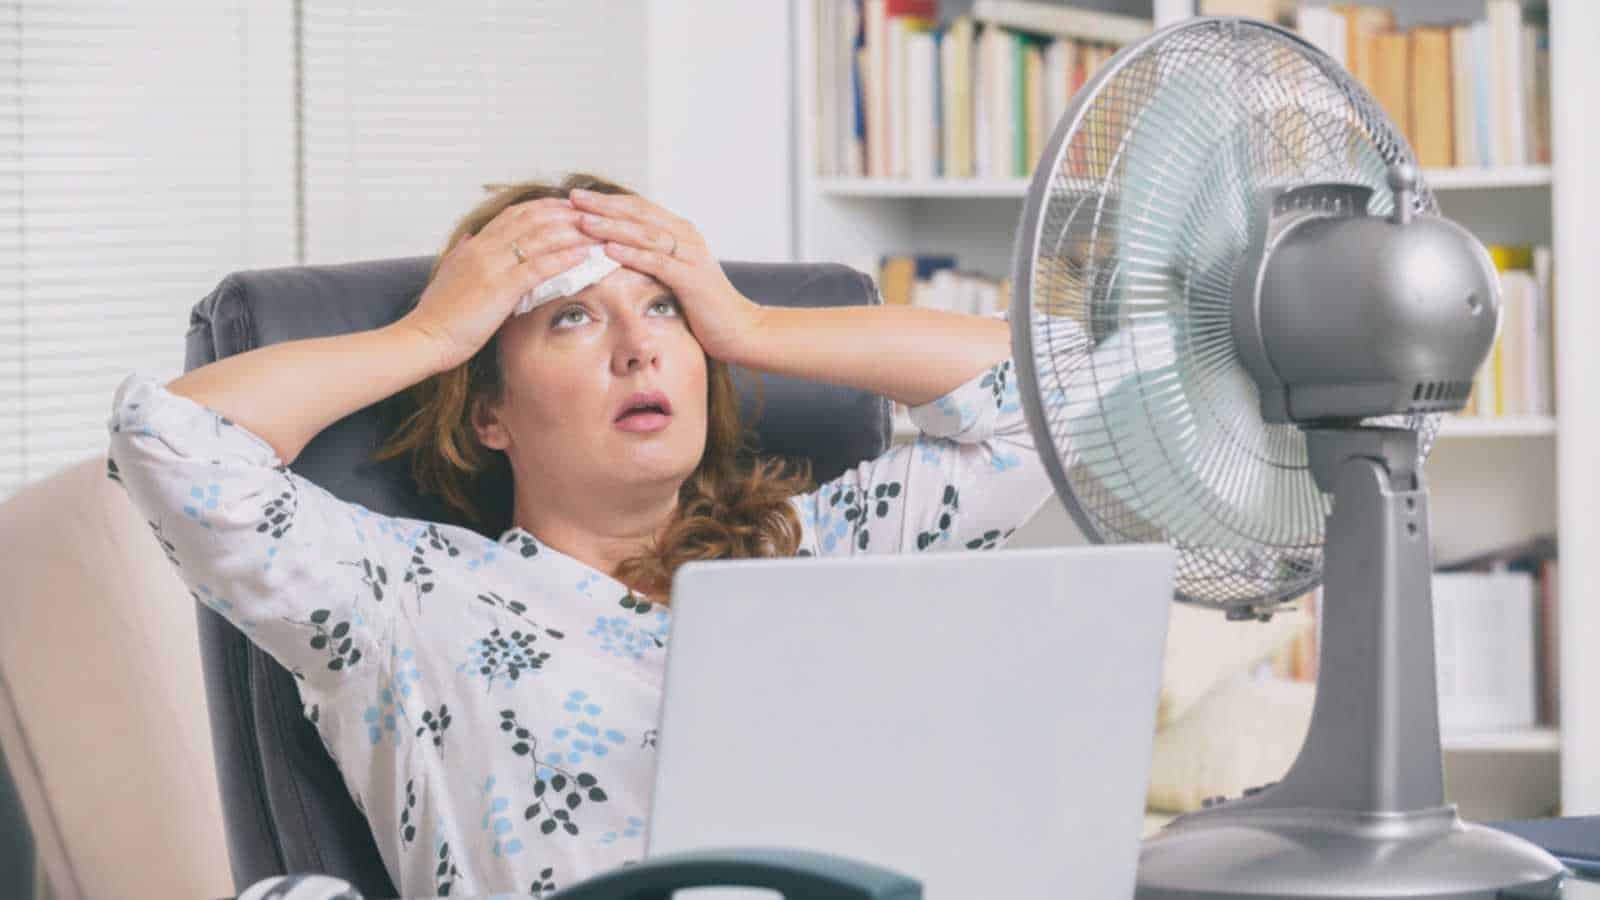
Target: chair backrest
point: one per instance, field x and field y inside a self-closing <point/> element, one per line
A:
<point x="287" y="808"/>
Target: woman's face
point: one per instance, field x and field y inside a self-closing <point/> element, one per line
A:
<point x="570" y="370"/>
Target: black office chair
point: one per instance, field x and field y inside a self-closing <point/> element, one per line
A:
<point x="286" y="808"/>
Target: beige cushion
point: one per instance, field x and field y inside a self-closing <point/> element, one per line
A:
<point x="1204" y="650"/>
<point x="100" y="665"/>
<point x="1244" y="734"/>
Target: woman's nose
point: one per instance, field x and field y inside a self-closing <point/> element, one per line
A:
<point x="636" y="348"/>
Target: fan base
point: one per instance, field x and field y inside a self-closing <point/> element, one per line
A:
<point x="1337" y="854"/>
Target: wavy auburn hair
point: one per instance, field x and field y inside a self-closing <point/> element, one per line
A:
<point x="734" y="504"/>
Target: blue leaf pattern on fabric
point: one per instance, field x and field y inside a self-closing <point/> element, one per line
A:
<point x="492" y="703"/>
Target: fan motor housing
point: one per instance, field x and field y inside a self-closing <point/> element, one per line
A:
<point x="1355" y="315"/>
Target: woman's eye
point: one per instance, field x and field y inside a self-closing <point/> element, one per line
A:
<point x="572" y="315"/>
<point x="671" y="306"/>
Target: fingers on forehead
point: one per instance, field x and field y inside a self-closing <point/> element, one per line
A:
<point x="541" y="203"/>
<point x="636" y="207"/>
<point x="510" y="218"/>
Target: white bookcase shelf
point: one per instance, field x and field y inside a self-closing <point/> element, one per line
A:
<point x="1015" y="188"/>
<point x="1477" y="179"/>
<point x="1530" y="740"/>
<point x="1525" y="474"/>
<point x="1450" y="428"/>
<point x="1471" y="179"/>
<point x="1501" y="426"/>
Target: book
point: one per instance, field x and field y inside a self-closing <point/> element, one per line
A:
<point x="1325" y="28"/>
<point x="1465" y="93"/>
<point x="1363" y="24"/>
<point x="1487" y="398"/>
<point x="858" y="150"/>
<point x="1517" y="378"/>
<point x="932" y="281"/>
<point x="1278" y="12"/>
<point x="1067" y="21"/>
<point x="1060" y="57"/>
<point x="874" y="78"/>
<point x="1550" y="641"/>
<point x="853" y="137"/>
<point x="1431" y="104"/>
<point x="920" y="120"/>
<point x="826" y="114"/>
<point x="961" y="35"/>
<point x="1516" y="289"/>
<point x="982" y="98"/>
<point x="1483" y="650"/>
<point x="1544" y="340"/>
<point x="1019" y="103"/>
<point x="1505" y="80"/>
<point x="947" y="104"/>
<point x="1483" y="97"/>
<point x="1541" y="91"/>
<point x="999" y="72"/>
<point x="1464" y="119"/>
<point x="896" y="274"/>
<point x="1391" y="79"/>
<point x="1034" y="105"/>
<point x="1536" y="557"/>
<point x="894" y="103"/>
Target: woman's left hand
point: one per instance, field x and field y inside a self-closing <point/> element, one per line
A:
<point x="648" y="239"/>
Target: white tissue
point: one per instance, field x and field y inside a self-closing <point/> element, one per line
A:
<point x="594" y="267"/>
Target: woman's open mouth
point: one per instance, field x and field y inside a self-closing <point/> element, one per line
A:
<point x="645" y="412"/>
<point x="643" y="420"/>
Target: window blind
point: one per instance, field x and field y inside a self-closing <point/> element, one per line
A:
<point x="411" y="107"/>
<point x="146" y="150"/>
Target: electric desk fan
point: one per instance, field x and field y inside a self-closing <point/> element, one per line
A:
<point x="1238" y="317"/>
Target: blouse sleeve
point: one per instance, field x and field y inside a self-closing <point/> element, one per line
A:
<point x="306" y="576"/>
<point x="967" y="482"/>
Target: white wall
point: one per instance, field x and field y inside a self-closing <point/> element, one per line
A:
<point x="718" y="98"/>
<point x="1574" y="35"/>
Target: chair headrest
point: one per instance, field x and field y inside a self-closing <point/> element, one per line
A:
<point x="833" y="427"/>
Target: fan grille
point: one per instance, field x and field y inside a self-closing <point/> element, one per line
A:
<point x="1132" y="249"/>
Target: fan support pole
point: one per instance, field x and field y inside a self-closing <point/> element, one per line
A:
<point x="1361" y="813"/>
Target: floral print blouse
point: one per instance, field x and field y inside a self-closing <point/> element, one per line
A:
<point x="492" y="704"/>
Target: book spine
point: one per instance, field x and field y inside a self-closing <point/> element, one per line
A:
<point x="876" y="72"/>
<point x="1465" y="148"/>
<point x="1431" y="104"/>
<point x="853" y="136"/>
<point x="1482" y="96"/>
<point x="824" y="116"/>
<point x="1019" y="104"/>
<point x="1545" y="340"/>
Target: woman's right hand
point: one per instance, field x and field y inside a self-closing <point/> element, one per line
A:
<point x="480" y="279"/>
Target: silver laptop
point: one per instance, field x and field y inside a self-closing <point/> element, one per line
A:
<point x="979" y="721"/>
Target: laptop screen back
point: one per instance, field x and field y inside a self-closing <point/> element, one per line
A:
<point x="979" y="721"/>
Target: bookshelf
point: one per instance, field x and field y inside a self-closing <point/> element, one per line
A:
<point x="1531" y="740"/>
<point x="1449" y="429"/>
<point x="1498" y="427"/>
<point x="1465" y="179"/>
<point x="1490" y="477"/>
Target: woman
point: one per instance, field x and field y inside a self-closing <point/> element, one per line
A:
<point x="492" y="703"/>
